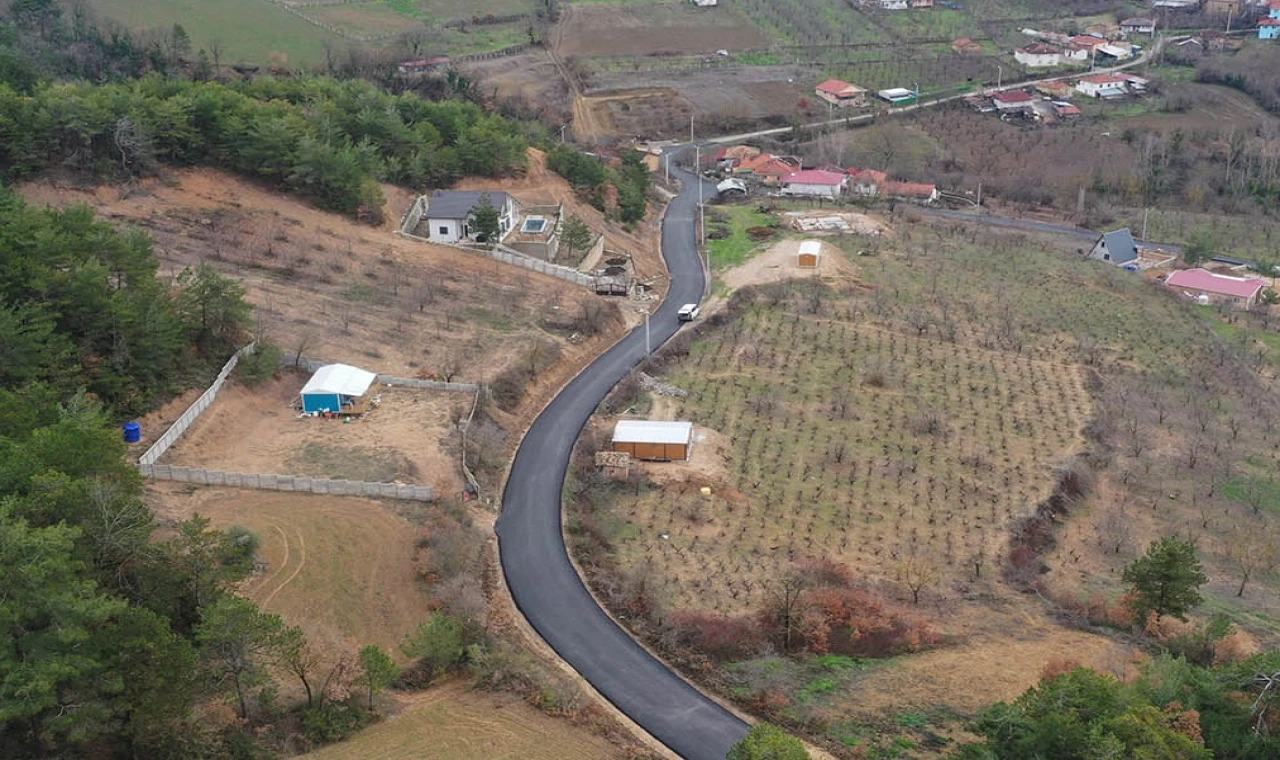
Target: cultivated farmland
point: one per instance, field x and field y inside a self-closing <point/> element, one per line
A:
<point x="849" y="438"/>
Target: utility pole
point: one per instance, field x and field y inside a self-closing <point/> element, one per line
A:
<point x="666" y="174"/>
<point x="979" y="196"/>
<point x="1145" y="213"/>
<point x="691" y="126"/>
<point x="999" y="75"/>
<point x="646" y="332"/>
<point x="562" y="126"/>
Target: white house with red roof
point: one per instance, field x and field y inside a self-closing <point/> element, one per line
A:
<point x="1013" y="100"/>
<point x="814" y="183"/>
<point x="1038" y="55"/>
<point x="841" y="94"/>
<point x="1210" y="288"/>
<point x="1102" y="85"/>
<point x="865" y="182"/>
<point x="912" y="191"/>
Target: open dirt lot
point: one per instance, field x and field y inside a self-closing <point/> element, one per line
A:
<point x="255" y="430"/>
<point x="530" y="78"/>
<point x="781" y="262"/>
<point x="645" y="28"/>
<point x="333" y="565"/>
<point x="452" y="722"/>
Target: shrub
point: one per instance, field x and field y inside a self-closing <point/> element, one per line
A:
<point x="261" y="365"/>
<point x="333" y="722"/>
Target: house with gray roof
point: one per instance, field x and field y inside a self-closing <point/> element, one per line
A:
<point x="448" y="214"/>
<point x="1115" y="247"/>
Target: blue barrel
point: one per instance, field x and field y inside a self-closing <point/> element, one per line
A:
<point x="132" y="432"/>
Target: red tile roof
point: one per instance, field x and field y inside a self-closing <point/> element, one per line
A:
<point x="1013" y="96"/>
<point x="910" y="189"/>
<point x="815" y="177"/>
<point x="1104" y="79"/>
<point x="1269" y="22"/>
<point x="874" y="176"/>
<point x="1088" y="40"/>
<point x="1201" y="279"/>
<point x="840" y="88"/>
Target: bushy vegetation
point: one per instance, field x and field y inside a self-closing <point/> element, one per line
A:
<point x="592" y="178"/>
<point x="82" y="307"/>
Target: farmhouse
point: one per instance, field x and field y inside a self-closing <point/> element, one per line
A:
<point x="814" y="183"/>
<point x="1273" y="9"/>
<point x="1102" y="86"/>
<point x="1115" y="247"/>
<point x="1138" y="26"/>
<point x="448" y="214"/>
<point x="1269" y="29"/>
<point x="1088" y="41"/>
<point x="1065" y="111"/>
<point x="865" y="182"/>
<point x="841" y="94"/>
<point x="912" y="191"/>
<point x="1038" y="55"/>
<point x="921" y="3"/>
<point x="1013" y="100"/>
<point x="1209" y="288"/>
<point x="810" y="253"/>
<point x="651" y="439"/>
<point x="337" y="389"/>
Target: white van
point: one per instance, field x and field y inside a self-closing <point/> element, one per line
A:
<point x="688" y="312"/>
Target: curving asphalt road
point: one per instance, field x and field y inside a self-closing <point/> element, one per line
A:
<point x="545" y="585"/>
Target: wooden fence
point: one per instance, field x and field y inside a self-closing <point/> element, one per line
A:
<point x="290" y="483"/>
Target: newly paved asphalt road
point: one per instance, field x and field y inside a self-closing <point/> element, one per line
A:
<point x="545" y="585"/>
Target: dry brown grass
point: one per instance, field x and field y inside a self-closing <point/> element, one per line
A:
<point x="452" y="722"/>
<point x="332" y="564"/>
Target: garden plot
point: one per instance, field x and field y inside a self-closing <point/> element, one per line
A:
<point x="899" y="455"/>
<point x="256" y="430"/>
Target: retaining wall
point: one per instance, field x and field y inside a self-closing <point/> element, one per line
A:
<point x="295" y="483"/>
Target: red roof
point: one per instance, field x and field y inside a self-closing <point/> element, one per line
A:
<point x="767" y="164"/>
<point x="1013" y="96"/>
<point x="1201" y="279"/>
<point x="1104" y="79"/>
<point x="839" y="88"/>
<point x="911" y="189"/>
<point x="1066" y="109"/>
<point x="873" y="176"/>
<point x="1269" y="22"/>
<point x="815" y="177"/>
<point x="1088" y="40"/>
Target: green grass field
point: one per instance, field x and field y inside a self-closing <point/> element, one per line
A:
<point x="250" y="31"/>
<point x="738" y="246"/>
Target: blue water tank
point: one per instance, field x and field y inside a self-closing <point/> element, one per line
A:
<point x="132" y="432"/>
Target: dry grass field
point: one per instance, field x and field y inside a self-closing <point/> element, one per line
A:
<point x="656" y="28"/>
<point x="340" y="567"/>
<point x="452" y="722"/>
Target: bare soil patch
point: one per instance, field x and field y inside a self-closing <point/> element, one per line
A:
<point x="255" y="430"/>
<point x="782" y="262"/>
<point x="529" y="79"/>
<point x="339" y="290"/>
<point x="457" y="723"/>
<point x="647" y="28"/>
<point x="332" y="564"/>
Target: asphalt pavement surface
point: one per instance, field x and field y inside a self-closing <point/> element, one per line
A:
<point x="545" y="585"/>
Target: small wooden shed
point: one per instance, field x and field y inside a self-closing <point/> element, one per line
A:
<point x="653" y="439"/>
<point x="810" y="252"/>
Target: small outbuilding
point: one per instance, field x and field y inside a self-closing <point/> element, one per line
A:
<point x="1115" y="247"/>
<point x="810" y="253"/>
<point x="653" y="439"/>
<point x="337" y="389"/>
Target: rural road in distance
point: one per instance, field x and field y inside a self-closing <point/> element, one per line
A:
<point x="535" y="562"/>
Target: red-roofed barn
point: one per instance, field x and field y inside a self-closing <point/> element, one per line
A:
<point x="1207" y="287"/>
<point x="814" y="183"/>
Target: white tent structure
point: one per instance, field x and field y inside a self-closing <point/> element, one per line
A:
<point x="335" y="388"/>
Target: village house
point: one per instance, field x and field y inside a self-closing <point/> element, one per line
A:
<point x="1013" y="101"/>
<point x="727" y="158"/>
<point x="767" y="168"/>
<point x="911" y="191"/>
<point x="921" y="3"/>
<point x="865" y="182"/>
<point x="966" y="46"/>
<point x="1269" y="29"/>
<point x="705" y="3"/>
<point x="1056" y="89"/>
<point x="1138" y="26"/>
<point x="1218" y="289"/>
<point x="1038" y="55"/>
<point x="1273" y="9"/>
<point x="448" y="214"/>
<point x="1115" y="247"/>
<point x="1120" y="51"/>
<point x="1088" y="41"/>
<point x="892" y="5"/>
<point x="841" y="94"/>
<point x="1066" y="111"/>
<point x="814" y="183"/>
<point x="1104" y="29"/>
<point x="1102" y="86"/>
<point x="1076" y="53"/>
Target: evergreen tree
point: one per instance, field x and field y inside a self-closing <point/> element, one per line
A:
<point x="1167" y="578"/>
<point x="575" y="235"/>
<point x="485" y="221"/>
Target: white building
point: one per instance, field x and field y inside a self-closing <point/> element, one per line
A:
<point x="1102" y="86"/>
<point x="448" y="214"/>
<point x="705" y="3"/>
<point x="814" y="183"/>
<point x="1038" y="56"/>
